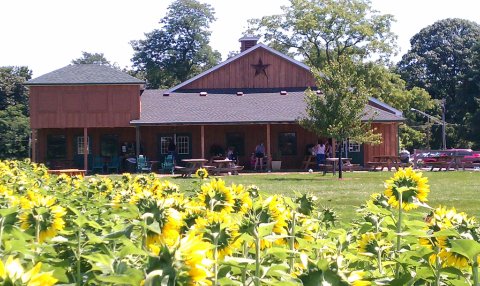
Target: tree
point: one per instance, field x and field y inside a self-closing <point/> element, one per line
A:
<point x="441" y="60"/>
<point x="15" y="129"/>
<point x="14" y="123"/>
<point x="339" y="111"/>
<point x="92" y="58"/>
<point x="321" y="31"/>
<point x="180" y="48"/>
<point x="12" y="90"/>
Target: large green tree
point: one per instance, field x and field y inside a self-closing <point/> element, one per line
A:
<point x="92" y="58"/>
<point x="180" y="48"/>
<point x="14" y="123"/>
<point x="339" y="111"/>
<point x="442" y="61"/>
<point x="321" y="31"/>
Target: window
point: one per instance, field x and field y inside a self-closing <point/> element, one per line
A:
<point x="183" y="145"/>
<point x="353" y="146"/>
<point x="56" y="147"/>
<point x="109" y="146"/>
<point x="164" y="141"/>
<point x="287" y="143"/>
<point x="236" y="140"/>
<point x="80" y="145"/>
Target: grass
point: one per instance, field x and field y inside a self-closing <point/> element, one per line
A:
<point x="459" y="189"/>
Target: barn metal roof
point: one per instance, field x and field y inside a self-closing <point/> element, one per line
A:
<point x="229" y="108"/>
<point x="84" y="74"/>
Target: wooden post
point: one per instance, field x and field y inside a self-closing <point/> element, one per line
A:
<point x="334" y="143"/>
<point x="34" y="145"/>
<point x="269" y="149"/>
<point x="137" y="140"/>
<point x="202" y="140"/>
<point x="85" y="149"/>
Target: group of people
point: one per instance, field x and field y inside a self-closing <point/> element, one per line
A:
<point x="322" y="150"/>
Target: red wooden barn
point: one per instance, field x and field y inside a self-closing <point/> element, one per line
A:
<point x="256" y="96"/>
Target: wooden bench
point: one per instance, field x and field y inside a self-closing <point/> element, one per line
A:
<point x="439" y="165"/>
<point x="69" y="172"/>
<point x="375" y="165"/>
<point x="184" y="171"/>
<point x="225" y="170"/>
<point x="309" y="162"/>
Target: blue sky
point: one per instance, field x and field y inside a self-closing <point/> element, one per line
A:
<point x="47" y="34"/>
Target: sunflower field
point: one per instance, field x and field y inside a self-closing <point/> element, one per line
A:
<point x="140" y="230"/>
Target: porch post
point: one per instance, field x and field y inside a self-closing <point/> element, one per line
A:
<point x="34" y="145"/>
<point x="85" y="148"/>
<point x="202" y="140"/>
<point x="269" y="150"/>
<point x="137" y="140"/>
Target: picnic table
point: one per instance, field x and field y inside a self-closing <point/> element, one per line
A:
<point x="192" y="165"/>
<point x="446" y="162"/>
<point x="309" y="162"/>
<point x="385" y="161"/>
<point x="225" y="166"/>
<point x="332" y="165"/>
<point x="69" y="172"/>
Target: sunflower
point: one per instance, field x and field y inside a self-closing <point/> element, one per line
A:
<point x="169" y="188"/>
<point x="371" y="244"/>
<point x="201" y="173"/>
<point x="242" y="200"/>
<point x="441" y="219"/>
<point x="356" y="279"/>
<point x="218" y="230"/>
<point x="12" y="271"/>
<point x="410" y="185"/>
<point x="216" y="196"/>
<point x="42" y="212"/>
<point x="158" y="211"/>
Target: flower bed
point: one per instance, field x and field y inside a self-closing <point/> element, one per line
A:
<point x="140" y="230"/>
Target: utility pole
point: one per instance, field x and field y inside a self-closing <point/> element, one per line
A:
<point x="444" y="138"/>
<point x="438" y="121"/>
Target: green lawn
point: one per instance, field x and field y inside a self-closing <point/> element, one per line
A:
<point x="459" y="189"/>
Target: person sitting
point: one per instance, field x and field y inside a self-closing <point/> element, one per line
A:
<point x="259" y="155"/>
<point x="231" y="154"/>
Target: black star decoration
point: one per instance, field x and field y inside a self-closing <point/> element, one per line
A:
<point x="260" y="68"/>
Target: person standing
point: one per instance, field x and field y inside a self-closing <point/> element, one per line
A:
<point x="172" y="150"/>
<point x="319" y="150"/>
<point x="259" y="155"/>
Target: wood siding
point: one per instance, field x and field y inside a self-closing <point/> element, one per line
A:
<point x="84" y="106"/>
<point x="389" y="145"/>
<point x="214" y="135"/>
<point x="241" y="74"/>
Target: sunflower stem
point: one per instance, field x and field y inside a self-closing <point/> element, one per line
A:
<point x="1" y="231"/>
<point x="475" y="270"/>
<point x="379" y="261"/>
<point x="215" y="260"/>
<point x="292" y="243"/>
<point x="437" y="267"/>
<point x="257" y="257"/>
<point x="399" y="231"/>
<point x="244" y="270"/>
<point x="37" y="229"/>
<point x="79" y="256"/>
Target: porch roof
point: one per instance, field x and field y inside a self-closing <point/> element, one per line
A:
<point x="229" y="108"/>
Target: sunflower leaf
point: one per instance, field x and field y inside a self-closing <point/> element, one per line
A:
<point x="265" y="229"/>
<point x="466" y="247"/>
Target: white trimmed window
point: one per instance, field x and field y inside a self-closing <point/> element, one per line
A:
<point x="80" y="145"/>
<point x="183" y="145"/>
<point x="353" y="146"/>
<point x="164" y="141"/>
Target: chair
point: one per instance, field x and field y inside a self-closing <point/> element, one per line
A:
<point x="114" y="164"/>
<point x="143" y="165"/>
<point x="97" y="164"/>
<point x="168" y="165"/>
